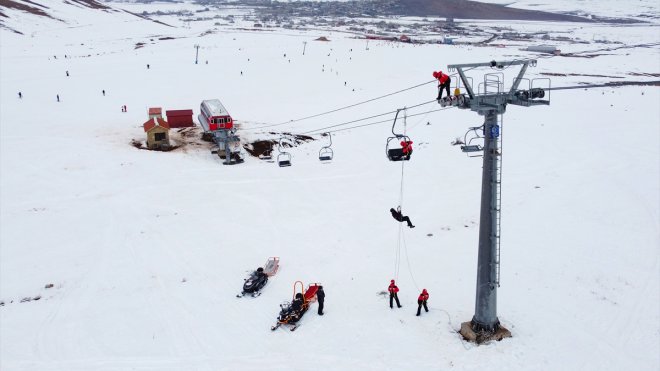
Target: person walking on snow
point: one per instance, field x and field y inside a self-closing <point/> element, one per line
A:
<point x="58" y="97"/>
<point x="421" y="300"/>
<point x="320" y="296"/>
<point x="394" y="294"/>
<point x="20" y="95"/>
<point x="443" y="82"/>
<point x="396" y="214"/>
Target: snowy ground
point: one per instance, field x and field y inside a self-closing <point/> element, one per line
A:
<point x="146" y="250"/>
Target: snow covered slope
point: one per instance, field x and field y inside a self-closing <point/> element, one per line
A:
<point x="146" y="250"/>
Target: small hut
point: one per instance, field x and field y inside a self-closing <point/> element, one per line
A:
<point x="158" y="133"/>
<point x="181" y="118"/>
<point x="155" y="112"/>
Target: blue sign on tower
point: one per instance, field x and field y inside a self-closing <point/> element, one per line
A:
<point x="494" y="131"/>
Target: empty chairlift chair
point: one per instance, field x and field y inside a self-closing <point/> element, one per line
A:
<point x="326" y="153"/>
<point x="472" y="147"/>
<point x="393" y="148"/>
<point x="283" y="158"/>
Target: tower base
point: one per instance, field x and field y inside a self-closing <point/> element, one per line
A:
<point x="481" y="337"/>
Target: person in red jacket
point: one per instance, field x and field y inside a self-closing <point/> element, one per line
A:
<point x="421" y="300"/>
<point x="394" y="294"/>
<point x="406" y="146"/>
<point x="443" y="82"/>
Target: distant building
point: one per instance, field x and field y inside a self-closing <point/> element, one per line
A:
<point x="322" y="38"/>
<point x="182" y="118"/>
<point x="550" y="49"/>
<point x="155" y="112"/>
<point x="158" y="133"/>
<point x="404" y="39"/>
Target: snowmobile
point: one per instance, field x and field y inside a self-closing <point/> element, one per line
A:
<point x="292" y="312"/>
<point x="253" y="284"/>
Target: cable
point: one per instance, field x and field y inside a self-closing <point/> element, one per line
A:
<point x="362" y="119"/>
<point x="379" y="122"/>
<point x="343" y="108"/>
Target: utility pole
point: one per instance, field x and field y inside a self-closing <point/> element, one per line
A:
<point x="304" y="46"/>
<point x="196" y="53"/>
<point x="490" y="103"/>
<point x="367" y="48"/>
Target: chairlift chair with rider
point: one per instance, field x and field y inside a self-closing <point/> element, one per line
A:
<point x="396" y="153"/>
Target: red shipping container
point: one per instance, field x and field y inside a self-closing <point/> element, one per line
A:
<point x="180" y="118"/>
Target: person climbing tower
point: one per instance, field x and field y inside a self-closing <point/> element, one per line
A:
<point x="394" y="294"/>
<point x="396" y="214"/>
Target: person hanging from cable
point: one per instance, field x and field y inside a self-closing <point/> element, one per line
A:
<point x="406" y="146"/>
<point x="443" y="82"/>
<point x="396" y="214"/>
<point x="393" y="290"/>
<point x="421" y="301"/>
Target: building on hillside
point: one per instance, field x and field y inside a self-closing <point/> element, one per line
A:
<point x="181" y="118"/>
<point x="404" y="39"/>
<point x="550" y="49"/>
<point x="158" y="133"/>
<point x="155" y="112"/>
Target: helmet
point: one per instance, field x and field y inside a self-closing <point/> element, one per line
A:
<point x="260" y="269"/>
<point x="424" y="291"/>
<point x="299" y="296"/>
<point x="391" y="281"/>
<point x="435" y="74"/>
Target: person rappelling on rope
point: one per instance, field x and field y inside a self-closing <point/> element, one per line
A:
<point x="396" y="214"/>
<point x="443" y="82"/>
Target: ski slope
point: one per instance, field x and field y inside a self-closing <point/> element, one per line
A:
<point x="146" y="250"/>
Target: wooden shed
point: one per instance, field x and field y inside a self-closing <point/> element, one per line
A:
<point x="155" y="112"/>
<point x="181" y="118"/>
<point x="158" y="133"/>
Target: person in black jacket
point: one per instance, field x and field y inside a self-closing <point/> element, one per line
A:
<point x="320" y="296"/>
<point x="396" y="214"/>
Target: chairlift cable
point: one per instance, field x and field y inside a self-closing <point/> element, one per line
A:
<point x="343" y="108"/>
<point x="365" y="118"/>
<point x="374" y="123"/>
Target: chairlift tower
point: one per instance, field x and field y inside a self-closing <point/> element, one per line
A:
<point x="490" y="101"/>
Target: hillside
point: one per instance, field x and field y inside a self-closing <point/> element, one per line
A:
<point x="117" y="258"/>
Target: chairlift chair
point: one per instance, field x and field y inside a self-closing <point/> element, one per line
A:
<point x="473" y="150"/>
<point x="283" y="158"/>
<point x="396" y="153"/>
<point x="326" y="153"/>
